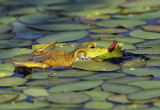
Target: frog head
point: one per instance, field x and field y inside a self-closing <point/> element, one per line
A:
<point x="91" y="50"/>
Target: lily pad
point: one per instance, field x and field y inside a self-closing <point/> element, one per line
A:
<point x="154" y="62"/>
<point x="7" y="19"/>
<point x="156" y="104"/>
<point x="6" y="36"/>
<point x="62" y="37"/>
<point x="98" y="95"/>
<point x="108" y="30"/>
<point x="60" y="26"/>
<point x="36" y="92"/>
<point x="68" y="98"/>
<point x="95" y="66"/>
<point x="51" y="81"/>
<point x="151" y="43"/>
<point x="71" y="73"/>
<point x="127" y="23"/>
<point x="76" y="86"/>
<point x="39" y="75"/>
<point x="152" y="27"/>
<point x="7" y="53"/>
<point x="144" y="34"/>
<point x="8" y="97"/>
<point x="12" y="81"/>
<point x="23" y="57"/>
<point x="142" y="71"/>
<point x="23" y="106"/>
<point x="125" y="80"/>
<point x="4" y="28"/>
<point x="103" y="76"/>
<point x="5" y="90"/>
<point x="120" y="98"/>
<point x="151" y="84"/>
<point x="103" y="36"/>
<point x="7" y="67"/>
<point x="5" y="73"/>
<point x="154" y="50"/>
<point x="120" y="88"/>
<point x="21" y="97"/>
<point x="98" y="105"/>
<point x="144" y="94"/>
<point x="134" y="106"/>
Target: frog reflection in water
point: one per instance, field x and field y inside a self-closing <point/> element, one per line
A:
<point x="51" y="58"/>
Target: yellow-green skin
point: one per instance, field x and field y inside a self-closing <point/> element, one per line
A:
<point x="52" y="58"/>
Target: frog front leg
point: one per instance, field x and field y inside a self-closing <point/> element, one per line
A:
<point x="31" y="64"/>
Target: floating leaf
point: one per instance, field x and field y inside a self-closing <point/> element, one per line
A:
<point x="62" y="37"/>
<point x="61" y="26"/>
<point x="21" y="97"/>
<point x="5" y="90"/>
<point x="133" y="106"/>
<point x="4" y="29"/>
<point x="7" y="97"/>
<point x="39" y="75"/>
<point x="7" y="19"/>
<point x="6" y="36"/>
<point x="120" y="88"/>
<point x="152" y="27"/>
<point x="154" y="62"/>
<point x="108" y="30"/>
<point x="144" y="34"/>
<point x="98" y="95"/>
<point x="95" y="66"/>
<point x="23" y="106"/>
<point x="144" y="94"/>
<point x="151" y="43"/>
<point x="68" y="98"/>
<point x="155" y="50"/>
<point x="98" y="105"/>
<point x="12" y="81"/>
<point x="151" y="84"/>
<point x="7" y="67"/>
<point x="36" y="92"/>
<point x="103" y="76"/>
<point x="103" y="36"/>
<point x="71" y="73"/>
<point x="142" y="71"/>
<point x="136" y="62"/>
<point x="7" y="53"/>
<point x="157" y="104"/>
<point x="5" y="73"/>
<point x="127" y="23"/>
<point x="76" y="86"/>
<point x="51" y="81"/>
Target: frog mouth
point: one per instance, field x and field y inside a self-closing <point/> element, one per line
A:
<point x="112" y="46"/>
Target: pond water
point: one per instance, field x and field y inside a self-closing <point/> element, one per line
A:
<point x="128" y="82"/>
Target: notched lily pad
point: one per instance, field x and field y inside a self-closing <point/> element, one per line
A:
<point x="95" y="66"/>
<point x="68" y="98"/>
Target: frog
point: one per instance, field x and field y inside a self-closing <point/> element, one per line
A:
<point x="43" y="58"/>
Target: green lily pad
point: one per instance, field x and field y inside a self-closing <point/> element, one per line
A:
<point x="154" y="62"/>
<point x="151" y="84"/>
<point x="62" y="37"/>
<point x="127" y="23"/>
<point x="156" y="104"/>
<point x="6" y="36"/>
<point x="61" y="26"/>
<point x="12" y="81"/>
<point x="152" y="27"/>
<point x="144" y="94"/>
<point x="144" y="34"/>
<point x="98" y="105"/>
<point x="95" y="66"/>
<point x="51" y="81"/>
<point x="153" y="56"/>
<point x="21" y="97"/>
<point x="36" y="92"/>
<point x="7" y="97"/>
<point x="108" y="30"/>
<point x="152" y="43"/>
<point x="68" y="98"/>
<point x="7" y="19"/>
<point x="39" y="75"/>
<point x="23" y="57"/>
<point x="103" y="76"/>
<point x="98" y="95"/>
<point x="103" y="36"/>
<point x="154" y="50"/>
<point x="5" y="90"/>
<point x="125" y="39"/>
<point x="136" y="62"/>
<point x="62" y="106"/>
<point x="5" y="73"/>
<point x="4" y="29"/>
<point x="7" y="53"/>
<point x="23" y="106"/>
<point x="34" y="18"/>
<point x="71" y="73"/>
<point x="21" y="11"/>
<point x="142" y="71"/>
<point x="15" y="42"/>
<point x="7" y="67"/>
<point x="125" y="80"/>
<point x="120" y="98"/>
<point x="149" y="15"/>
<point x="133" y="107"/>
<point x="120" y="88"/>
<point x="76" y="86"/>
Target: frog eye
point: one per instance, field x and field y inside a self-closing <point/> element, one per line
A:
<point x="92" y="47"/>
